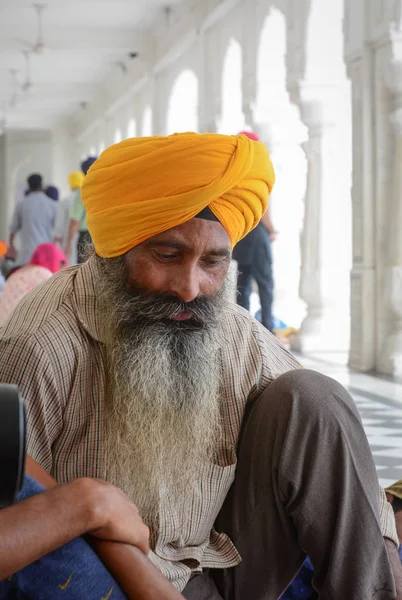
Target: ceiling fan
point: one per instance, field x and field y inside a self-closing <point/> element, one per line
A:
<point x="39" y="46"/>
<point x="28" y="83"/>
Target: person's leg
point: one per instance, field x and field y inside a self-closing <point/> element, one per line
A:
<point x="305" y="484"/>
<point x="244" y="285"/>
<point x="72" y="572"/>
<point x="201" y="587"/>
<point x="262" y="271"/>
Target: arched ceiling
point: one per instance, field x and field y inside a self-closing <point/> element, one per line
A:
<point x="83" y="41"/>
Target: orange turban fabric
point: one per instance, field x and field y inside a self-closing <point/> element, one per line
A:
<point x="76" y="179"/>
<point x="144" y="186"/>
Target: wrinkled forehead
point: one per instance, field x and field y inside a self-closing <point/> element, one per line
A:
<point x="198" y="236"/>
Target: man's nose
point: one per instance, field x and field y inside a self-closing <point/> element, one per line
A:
<point x="186" y="285"/>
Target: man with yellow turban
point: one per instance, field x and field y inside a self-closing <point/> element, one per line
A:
<point x="61" y="230"/>
<point x="137" y="369"/>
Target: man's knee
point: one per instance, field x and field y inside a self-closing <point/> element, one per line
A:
<point x="311" y="391"/>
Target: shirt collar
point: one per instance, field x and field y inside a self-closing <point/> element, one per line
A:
<point x="86" y="300"/>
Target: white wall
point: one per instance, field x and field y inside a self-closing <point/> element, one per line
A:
<point x="63" y="158"/>
<point x="25" y="152"/>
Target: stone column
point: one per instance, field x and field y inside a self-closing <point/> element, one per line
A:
<point x="210" y="89"/>
<point x="324" y="278"/>
<point x="390" y="357"/>
<point x="362" y="354"/>
<point x="390" y="360"/>
<point x="317" y="84"/>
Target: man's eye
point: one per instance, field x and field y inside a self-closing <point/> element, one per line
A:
<point x="165" y="257"/>
<point x="210" y="262"/>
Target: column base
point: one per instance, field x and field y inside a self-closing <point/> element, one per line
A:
<point x="362" y="343"/>
<point x="390" y="360"/>
<point x="318" y="334"/>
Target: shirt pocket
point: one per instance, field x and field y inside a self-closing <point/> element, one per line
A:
<point x="192" y="524"/>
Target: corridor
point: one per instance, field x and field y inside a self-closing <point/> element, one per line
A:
<point x="196" y="197"/>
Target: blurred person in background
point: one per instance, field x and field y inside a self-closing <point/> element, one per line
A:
<point x="254" y="257"/>
<point x="46" y="260"/>
<point x="61" y="230"/>
<point x="34" y="219"/>
<point x="52" y="192"/>
<point x="78" y="220"/>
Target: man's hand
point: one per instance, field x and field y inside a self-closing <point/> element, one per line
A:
<point x="395" y="566"/>
<point x="67" y="511"/>
<point x="113" y="517"/>
<point x="107" y="512"/>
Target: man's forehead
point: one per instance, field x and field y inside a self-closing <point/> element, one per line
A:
<point x="192" y="235"/>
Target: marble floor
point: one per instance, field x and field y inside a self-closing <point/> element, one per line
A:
<point x="380" y="404"/>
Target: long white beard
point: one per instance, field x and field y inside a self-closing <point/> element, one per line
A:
<point x="163" y="420"/>
<point x="163" y="413"/>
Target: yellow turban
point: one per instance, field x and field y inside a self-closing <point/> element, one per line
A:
<point x="76" y="179"/>
<point x="144" y="186"/>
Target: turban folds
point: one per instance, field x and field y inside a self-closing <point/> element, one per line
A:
<point x="52" y="192"/>
<point x="144" y="186"/>
<point x="50" y="257"/>
<point x="76" y="179"/>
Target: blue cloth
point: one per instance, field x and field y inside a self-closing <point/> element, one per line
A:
<point x="52" y="192"/>
<point x="73" y="572"/>
<point x="301" y="587"/>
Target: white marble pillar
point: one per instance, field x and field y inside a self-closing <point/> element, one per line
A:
<point x="325" y="243"/>
<point x="390" y="358"/>
<point x="317" y="85"/>
<point x="362" y="355"/>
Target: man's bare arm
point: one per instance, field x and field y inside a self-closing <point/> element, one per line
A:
<point x="44" y="522"/>
<point x="136" y="575"/>
<point x="134" y="572"/>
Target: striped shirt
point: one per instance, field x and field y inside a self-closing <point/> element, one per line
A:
<point x="53" y="348"/>
<point x="34" y="217"/>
